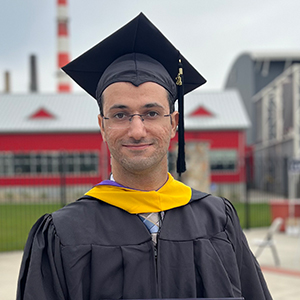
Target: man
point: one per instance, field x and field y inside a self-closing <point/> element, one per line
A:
<point x="106" y="245"/>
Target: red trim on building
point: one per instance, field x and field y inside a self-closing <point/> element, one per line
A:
<point x="226" y="177"/>
<point x="50" y="141"/>
<point x="201" y="112"/>
<point x="48" y="180"/>
<point x="42" y="113"/>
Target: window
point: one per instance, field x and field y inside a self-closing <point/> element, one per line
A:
<point x="48" y="163"/>
<point x="223" y="160"/>
<point x="21" y="163"/>
<point x="6" y="165"/>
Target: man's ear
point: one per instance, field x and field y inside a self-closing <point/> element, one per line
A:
<point x="100" y="122"/>
<point x="174" y="122"/>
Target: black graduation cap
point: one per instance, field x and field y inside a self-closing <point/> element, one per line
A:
<point x="139" y="36"/>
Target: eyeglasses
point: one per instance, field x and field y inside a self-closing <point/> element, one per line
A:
<point x="122" y="120"/>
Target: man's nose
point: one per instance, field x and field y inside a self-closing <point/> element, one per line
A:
<point x="137" y="129"/>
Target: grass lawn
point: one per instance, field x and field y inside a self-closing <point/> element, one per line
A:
<point x="259" y="214"/>
<point x="17" y="219"/>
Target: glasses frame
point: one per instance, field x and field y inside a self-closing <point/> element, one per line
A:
<point x="142" y="116"/>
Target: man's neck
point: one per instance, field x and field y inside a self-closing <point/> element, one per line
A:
<point x="150" y="180"/>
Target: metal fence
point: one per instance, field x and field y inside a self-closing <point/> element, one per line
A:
<point x="21" y="204"/>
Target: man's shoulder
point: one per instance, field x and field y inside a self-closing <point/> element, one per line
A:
<point x="83" y="210"/>
<point x="202" y="198"/>
<point x="216" y="206"/>
<point x="77" y="207"/>
<point x="91" y="221"/>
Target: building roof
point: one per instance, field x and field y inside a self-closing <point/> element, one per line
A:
<point x="273" y="55"/>
<point x="30" y="113"/>
<point x="48" y="113"/>
<point x="220" y="110"/>
<point x="288" y="55"/>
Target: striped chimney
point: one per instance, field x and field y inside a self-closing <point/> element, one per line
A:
<point x="63" y="57"/>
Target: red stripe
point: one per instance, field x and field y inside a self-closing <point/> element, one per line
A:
<point x="62" y="29"/>
<point x="64" y="88"/>
<point x="62" y="2"/>
<point x="70" y="141"/>
<point x="280" y="271"/>
<point x="63" y="59"/>
<point x="227" y="177"/>
<point x="48" y="180"/>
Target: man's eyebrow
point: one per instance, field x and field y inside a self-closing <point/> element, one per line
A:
<point x="118" y="106"/>
<point x="154" y="104"/>
<point x="148" y="105"/>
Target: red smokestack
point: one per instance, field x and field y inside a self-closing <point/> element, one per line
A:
<point x="63" y="57"/>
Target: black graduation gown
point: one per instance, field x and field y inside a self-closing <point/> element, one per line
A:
<point x="93" y="250"/>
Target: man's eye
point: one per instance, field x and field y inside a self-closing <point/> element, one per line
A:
<point x="152" y="114"/>
<point x="120" y="116"/>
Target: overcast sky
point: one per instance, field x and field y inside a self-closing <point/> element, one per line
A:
<point x="211" y="34"/>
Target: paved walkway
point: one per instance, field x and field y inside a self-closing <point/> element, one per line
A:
<point x="9" y="269"/>
<point x="283" y="281"/>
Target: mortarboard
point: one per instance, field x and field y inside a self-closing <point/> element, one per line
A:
<point x="138" y="43"/>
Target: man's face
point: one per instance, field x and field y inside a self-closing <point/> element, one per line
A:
<point x="138" y="146"/>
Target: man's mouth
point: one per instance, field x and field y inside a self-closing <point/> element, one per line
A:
<point x="137" y="146"/>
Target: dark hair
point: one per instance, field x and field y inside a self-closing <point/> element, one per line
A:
<point x="100" y="104"/>
<point x="170" y="100"/>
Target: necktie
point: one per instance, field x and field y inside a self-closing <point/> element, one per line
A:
<point x="153" y="223"/>
<point x="151" y="220"/>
